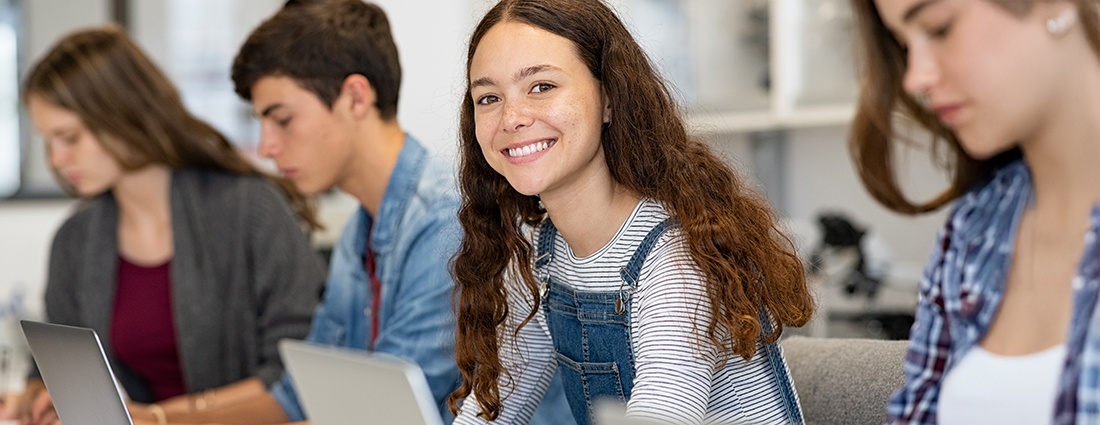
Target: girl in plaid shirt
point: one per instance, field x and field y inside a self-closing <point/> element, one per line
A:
<point x="1007" y="328"/>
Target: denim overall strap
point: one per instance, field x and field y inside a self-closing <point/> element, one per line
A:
<point x="629" y="274"/>
<point x="591" y="330"/>
<point x="545" y="253"/>
<point x="778" y="366"/>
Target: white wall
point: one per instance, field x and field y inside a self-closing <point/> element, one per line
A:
<point x="44" y="22"/>
<point x="430" y="37"/>
<point x="148" y="19"/>
<point x="27" y="227"/>
<point x="47" y="20"/>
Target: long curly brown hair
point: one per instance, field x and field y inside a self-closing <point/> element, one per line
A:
<point x="728" y="227"/>
<point x="873" y="136"/>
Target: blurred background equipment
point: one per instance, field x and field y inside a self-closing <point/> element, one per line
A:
<point x="859" y="296"/>
<point x="841" y="234"/>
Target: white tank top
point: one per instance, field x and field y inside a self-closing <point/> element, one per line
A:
<point x="987" y="388"/>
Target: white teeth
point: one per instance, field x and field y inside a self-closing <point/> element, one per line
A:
<point x="529" y="149"/>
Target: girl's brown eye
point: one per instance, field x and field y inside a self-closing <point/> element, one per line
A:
<point x="542" y="88"/>
<point x="941" y="31"/>
<point x="485" y="100"/>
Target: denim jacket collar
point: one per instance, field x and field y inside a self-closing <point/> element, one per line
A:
<point x="402" y="185"/>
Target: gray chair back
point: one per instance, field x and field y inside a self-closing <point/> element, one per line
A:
<point x="844" y="381"/>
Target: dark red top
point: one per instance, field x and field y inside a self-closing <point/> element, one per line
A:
<point x="143" y="331"/>
<point x="375" y="289"/>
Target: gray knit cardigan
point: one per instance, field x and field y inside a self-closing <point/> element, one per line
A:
<point x="243" y="276"/>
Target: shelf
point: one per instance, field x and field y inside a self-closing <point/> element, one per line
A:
<point x="752" y="121"/>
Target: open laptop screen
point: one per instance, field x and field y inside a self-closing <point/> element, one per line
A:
<point x="344" y="386"/>
<point x="76" y="373"/>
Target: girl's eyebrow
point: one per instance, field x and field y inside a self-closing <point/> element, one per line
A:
<point x="912" y="13"/>
<point x="523" y="73"/>
<point x="63" y="130"/>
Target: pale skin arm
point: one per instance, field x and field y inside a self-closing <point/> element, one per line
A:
<point x="142" y="422"/>
<point x="261" y="409"/>
<point x="244" y="402"/>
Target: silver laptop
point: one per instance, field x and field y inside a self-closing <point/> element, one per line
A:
<point x="343" y="386"/>
<point x="76" y="373"/>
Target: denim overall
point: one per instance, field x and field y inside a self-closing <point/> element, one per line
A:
<point x="591" y="333"/>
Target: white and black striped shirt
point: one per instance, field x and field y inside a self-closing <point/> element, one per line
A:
<point x="679" y="374"/>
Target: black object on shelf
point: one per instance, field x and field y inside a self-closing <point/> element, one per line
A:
<point x="840" y="233"/>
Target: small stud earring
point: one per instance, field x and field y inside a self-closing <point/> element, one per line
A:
<point x="1060" y="24"/>
<point x="1055" y="26"/>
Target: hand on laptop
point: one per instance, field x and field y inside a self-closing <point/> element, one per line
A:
<point x="139" y="412"/>
<point x="9" y="407"/>
<point x="32" y="407"/>
<point x="42" y="411"/>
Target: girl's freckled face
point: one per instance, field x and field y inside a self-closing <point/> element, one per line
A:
<point x="538" y="110"/>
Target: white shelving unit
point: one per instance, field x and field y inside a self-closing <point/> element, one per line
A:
<point x="789" y="29"/>
<point x="717" y="53"/>
<point x="772" y="119"/>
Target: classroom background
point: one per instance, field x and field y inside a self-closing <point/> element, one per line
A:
<point x="770" y="84"/>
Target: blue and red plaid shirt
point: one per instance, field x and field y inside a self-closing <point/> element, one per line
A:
<point x="962" y="289"/>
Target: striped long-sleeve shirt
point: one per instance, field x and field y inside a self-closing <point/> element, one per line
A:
<point x="681" y="377"/>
